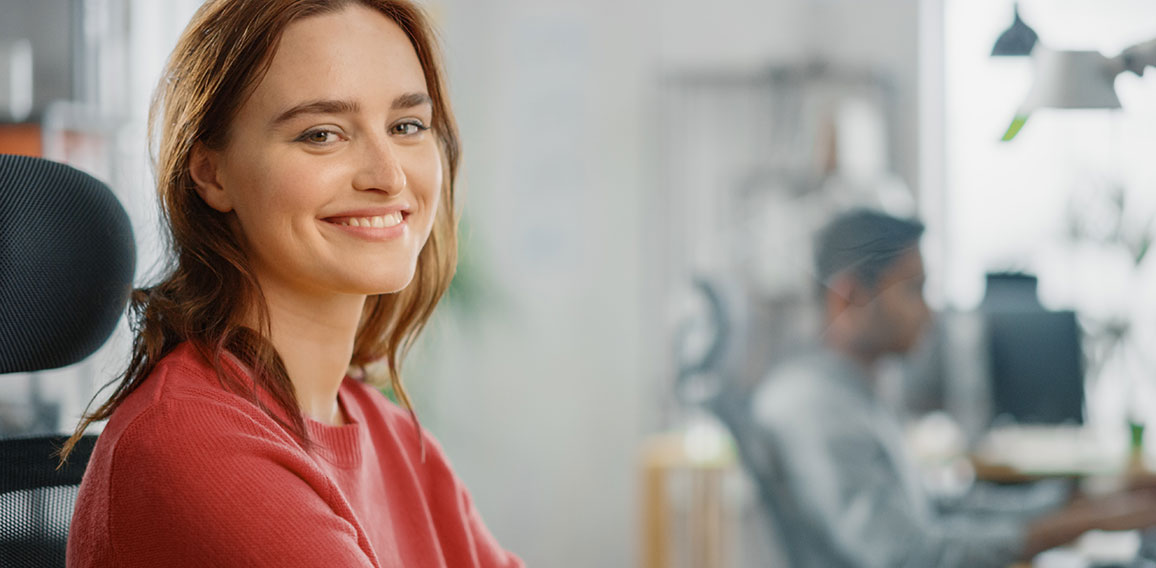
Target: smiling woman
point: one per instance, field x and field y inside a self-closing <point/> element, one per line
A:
<point x="305" y="167"/>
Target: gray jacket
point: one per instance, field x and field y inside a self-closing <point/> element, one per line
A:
<point x="830" y="463"/>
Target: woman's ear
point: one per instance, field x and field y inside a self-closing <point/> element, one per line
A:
<point x="203" y="166"/>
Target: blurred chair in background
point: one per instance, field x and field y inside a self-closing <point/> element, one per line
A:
<point x="67" y="259"/>
<point x="699" y="455"/>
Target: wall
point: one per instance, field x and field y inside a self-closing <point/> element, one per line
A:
<point x="543" y="395"/>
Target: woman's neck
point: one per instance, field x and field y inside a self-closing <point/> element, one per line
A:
<point x="314" y="336"/>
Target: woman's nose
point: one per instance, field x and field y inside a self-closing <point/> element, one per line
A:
<point x="380" y="168"/>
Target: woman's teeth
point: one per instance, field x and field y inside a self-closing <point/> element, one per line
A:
<point x="381" y="221"/>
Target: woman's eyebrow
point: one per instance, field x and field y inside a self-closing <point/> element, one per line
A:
<point x="410" y="100"/>
<point x="333" y="106"/>
<point x="327" y="106"/>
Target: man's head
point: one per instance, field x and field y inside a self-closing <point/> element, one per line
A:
<point x="871" y="276"/>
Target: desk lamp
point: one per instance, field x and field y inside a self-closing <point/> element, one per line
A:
<point x="1078" y="79"/>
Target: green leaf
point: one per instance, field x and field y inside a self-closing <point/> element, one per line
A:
<point x="1014" y="128"/>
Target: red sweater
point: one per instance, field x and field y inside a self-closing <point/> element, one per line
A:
<point x="188" y="474"/>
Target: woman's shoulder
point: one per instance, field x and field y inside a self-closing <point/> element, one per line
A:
<point x="182" y="457"/>
<point x="182" y="373"/>
<point x="187" y="436"/>
<point x="181" y="405"/>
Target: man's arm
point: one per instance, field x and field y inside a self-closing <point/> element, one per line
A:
<point x="1124" y="511"/>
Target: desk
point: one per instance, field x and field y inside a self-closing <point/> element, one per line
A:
<point x="1100" y="461"/>
<point x="1031" y="453"/>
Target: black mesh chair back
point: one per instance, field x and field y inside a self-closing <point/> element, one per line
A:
<point x="755" y="445"/>
<point x="67" y="258"/>
<point x="66" y="264"/>
<point x="36" y="499"/>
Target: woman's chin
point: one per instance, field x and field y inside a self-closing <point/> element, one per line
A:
<point x="390" y="284"/>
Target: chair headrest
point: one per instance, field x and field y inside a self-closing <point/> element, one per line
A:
<point x="67" y="258"/>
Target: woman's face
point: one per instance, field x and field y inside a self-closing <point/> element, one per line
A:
<point x="330" y="167"/>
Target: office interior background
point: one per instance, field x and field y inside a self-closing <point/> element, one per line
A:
<point x="634" y="169"/>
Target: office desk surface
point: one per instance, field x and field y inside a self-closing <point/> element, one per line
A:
<point x="1028" y="453"/>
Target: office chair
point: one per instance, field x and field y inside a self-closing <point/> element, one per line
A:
<point x="755" y="447"/>
<point x="728" y="398"/>
<point x="67" y="258"/>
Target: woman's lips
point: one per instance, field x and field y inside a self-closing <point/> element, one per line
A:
<point x="371" y="227"/>
<point x="377" y="221"/>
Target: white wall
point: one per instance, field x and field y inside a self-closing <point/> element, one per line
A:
<point x="543" y="398"/>
<point x="537" y="400"/>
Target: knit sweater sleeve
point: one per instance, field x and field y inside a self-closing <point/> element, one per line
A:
<point x="474" y="545"/>
<point x="194" y="482"/>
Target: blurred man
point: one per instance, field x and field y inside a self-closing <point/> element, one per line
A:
<point x="829" y="457"/>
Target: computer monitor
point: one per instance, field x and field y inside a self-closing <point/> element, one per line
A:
<point x="1037" y="367"/>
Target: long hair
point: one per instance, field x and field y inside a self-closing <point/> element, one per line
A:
<point x="210" y="285"/>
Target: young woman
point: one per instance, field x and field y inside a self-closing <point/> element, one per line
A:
<point x="305" y="168"/>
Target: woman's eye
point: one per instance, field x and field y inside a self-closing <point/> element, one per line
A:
<point x="409" y="128"/>
<point x="319" y="136"/>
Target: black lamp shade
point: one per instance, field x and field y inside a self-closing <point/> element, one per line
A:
<point x="1016" y="41"/>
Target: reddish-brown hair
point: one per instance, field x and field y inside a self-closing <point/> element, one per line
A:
<point x="210" y="287"/>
